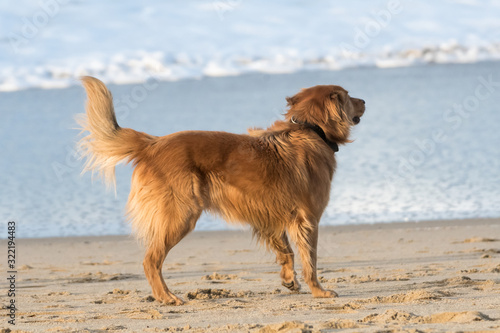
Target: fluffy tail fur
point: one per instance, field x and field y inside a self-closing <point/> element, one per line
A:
<point x="107" y="144"/>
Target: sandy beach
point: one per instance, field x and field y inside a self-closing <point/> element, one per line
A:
<point x="398" y="277"/>
<point x="429" y="78"/>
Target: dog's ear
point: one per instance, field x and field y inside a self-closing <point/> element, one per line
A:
<point x="335" y="106"/>
<point x="335" y="96"/>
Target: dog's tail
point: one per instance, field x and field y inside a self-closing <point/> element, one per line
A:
<point x="107" y="144"/>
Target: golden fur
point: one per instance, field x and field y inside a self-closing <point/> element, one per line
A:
<point x="276" y="180"/>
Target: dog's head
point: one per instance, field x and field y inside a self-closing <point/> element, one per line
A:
<point x="329" y="107"/>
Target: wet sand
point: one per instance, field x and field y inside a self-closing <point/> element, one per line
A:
<point x="441" y="276"/>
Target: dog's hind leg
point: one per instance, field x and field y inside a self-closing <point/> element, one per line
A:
<point x="153" y="263"/>
<point x="305" y="235"/>
<point x="285" y="256"/>
<point x="156" y="254"/>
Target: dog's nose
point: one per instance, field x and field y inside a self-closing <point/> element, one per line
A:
<point x="363" y="101"/>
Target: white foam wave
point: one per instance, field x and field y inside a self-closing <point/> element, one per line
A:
<point x="50" y="43"/>
<point x="139" y="66"/>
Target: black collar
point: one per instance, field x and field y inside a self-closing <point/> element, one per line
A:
<point x="333" y="145"/>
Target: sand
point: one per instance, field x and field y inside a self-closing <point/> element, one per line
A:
<point x="399" y="277"/>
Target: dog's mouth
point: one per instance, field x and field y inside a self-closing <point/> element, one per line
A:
<point x="356" y="120"/>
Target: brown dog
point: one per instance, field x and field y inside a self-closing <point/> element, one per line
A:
<point x="277" y="180"/>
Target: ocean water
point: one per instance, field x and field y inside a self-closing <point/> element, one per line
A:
<point x="426" y="149"/>
<point x="428" y="146"/>
<point x="49" y="43"/>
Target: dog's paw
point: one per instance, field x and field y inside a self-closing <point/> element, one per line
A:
<point x="169" y="300"/>
<point x="293" y="285"/>
<point x="173" y="301"/>
<point x="324" y="294"/>
<point x="176" y="300"/>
